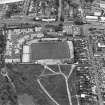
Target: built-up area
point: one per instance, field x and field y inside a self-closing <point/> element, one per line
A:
<point x="58" y="33"/>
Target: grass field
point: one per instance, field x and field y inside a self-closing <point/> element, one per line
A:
<point x="46" y="90"/>
<point x="49" y="50"/>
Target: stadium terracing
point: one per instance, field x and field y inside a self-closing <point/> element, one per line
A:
<point x="48" y="51"/>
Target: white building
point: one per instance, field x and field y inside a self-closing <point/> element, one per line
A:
<point x="26" y="53"/>
<point x="101" y="45"/>
<point x="92" y="18"/>
<point x="9" y="1"/>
